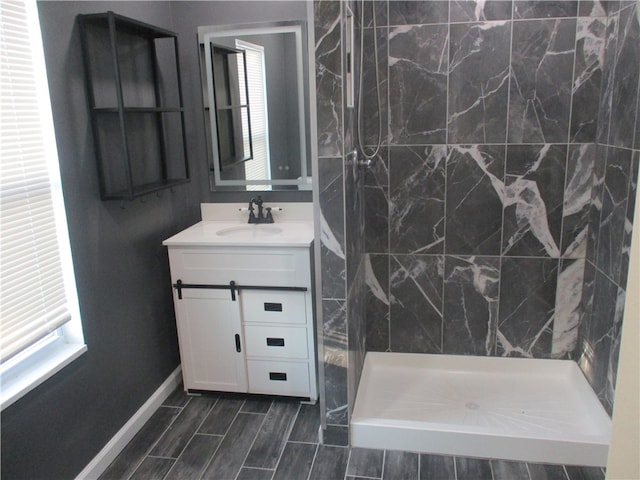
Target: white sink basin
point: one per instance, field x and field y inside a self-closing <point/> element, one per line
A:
<point x="253" y="231"/>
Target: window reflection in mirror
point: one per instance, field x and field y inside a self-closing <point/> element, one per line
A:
<point x="255" y="100"/>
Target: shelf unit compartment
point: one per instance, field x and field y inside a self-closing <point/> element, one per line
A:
<point x="135" y="98"/>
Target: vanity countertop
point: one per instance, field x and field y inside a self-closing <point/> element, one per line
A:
<point x="209" y="233"/>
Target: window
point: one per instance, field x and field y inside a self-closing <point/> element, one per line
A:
<point x="259" y="167"/>
<point x="40" y="329"/>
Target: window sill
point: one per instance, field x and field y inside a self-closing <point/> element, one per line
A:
<point x="47" y="362"/>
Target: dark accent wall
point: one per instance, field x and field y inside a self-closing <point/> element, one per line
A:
<point x="122" y="276"/>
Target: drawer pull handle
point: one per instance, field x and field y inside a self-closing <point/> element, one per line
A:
<point x="275" y="342"/>
<point x="272" y="307"/>
<point x="278" y="376"/>
<point x="238" y="348"/>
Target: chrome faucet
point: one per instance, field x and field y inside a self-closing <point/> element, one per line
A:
<point x="261" y="218"/>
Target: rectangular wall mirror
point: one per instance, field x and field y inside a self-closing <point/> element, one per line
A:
<point x="256" y="97"/>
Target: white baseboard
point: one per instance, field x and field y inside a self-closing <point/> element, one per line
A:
<point x="112" y="449"/>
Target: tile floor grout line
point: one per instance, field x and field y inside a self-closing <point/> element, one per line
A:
<point x="346" y="468"/>
<point x="526" y="466"/>
<point x="192" y="436"/>
<point x="275" y="469"/>
<point x="313" y="462"/>
<point x="455" y="468"/>
<point x="253" y="442"/>
<point x="162" y="457"/>
<point x="224" y="436"/>
<point x="213" y="454"/>
<point x="198" y="428"/>
<point x="153" y="444"/>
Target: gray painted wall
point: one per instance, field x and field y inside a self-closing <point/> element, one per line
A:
<point x="122" y="275"/>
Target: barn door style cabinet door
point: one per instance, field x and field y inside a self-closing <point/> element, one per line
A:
<point x="135" y="98"/>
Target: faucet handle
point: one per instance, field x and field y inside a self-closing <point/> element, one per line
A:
<point x="268" y="218"/>
<point x="252" y="216"/>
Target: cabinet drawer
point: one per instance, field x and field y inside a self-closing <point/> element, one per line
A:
<point x="273" y="307"/>
<point x="269" y="267"/>
<point x="278" y="378"/>
<point x="282" y="342"/>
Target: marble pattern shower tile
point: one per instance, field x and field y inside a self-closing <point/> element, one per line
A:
<point x="376" y="219"/>
<point x="577" y="200"/>
<point x="354" y="211"/>
<point x="479" y="10"/>
<point x="334" y="338"/>
<point x="627" y="75"/>
<point x="568" y="308"/>
<point x="377" y="302"/>
<point x="527" y="299"/>
<point x="587" y="78"/>
<point x="471" y="289"/>
<point x="416" y="203"/>
<point x="418" y="66"/>
<point x="616" y="336"/>
<point x="628" y="223"/>
<point x="595" y="208"/>
<point x="606" y="89"/>
<point x="328" y="77"/>
<point x="475" y="190"/>
<point x="541" y="80"/>
<point x="614" y="209"/>
<point x="403" y="12"/>
<point x="332" y="227"/>
<point x="534" y="200"/>
<point x="478" y="82"/>
<point x="356" y="330"/>
<point x="586" y="307"/>
<point x="376" y="212"/>
<point x="596" y="338"/>
<point x="381" y="9"/>
<point x="416" y="283"/>
<point x="544" y="9"/>
<point x="592" y="8"/>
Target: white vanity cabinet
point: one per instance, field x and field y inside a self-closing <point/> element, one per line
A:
<point x="244" y="317"/>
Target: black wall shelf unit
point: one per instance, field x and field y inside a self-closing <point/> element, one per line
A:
<point x="136" y="107"/>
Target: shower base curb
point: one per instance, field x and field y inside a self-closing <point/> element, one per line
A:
<point x="533" y="410"/>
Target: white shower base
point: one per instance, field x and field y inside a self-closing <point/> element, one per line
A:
<point x="509" y="408"/>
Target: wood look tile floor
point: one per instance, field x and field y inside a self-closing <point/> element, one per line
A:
<point x="233" y="437"/>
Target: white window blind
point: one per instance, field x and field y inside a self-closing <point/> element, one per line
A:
<point x="259" y="168"/>
<point x="34" y="298"/>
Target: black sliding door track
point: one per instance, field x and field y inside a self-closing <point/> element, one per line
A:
<point x="233" y="287"/>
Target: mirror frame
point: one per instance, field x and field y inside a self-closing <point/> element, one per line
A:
<point x="208" y="35"/>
